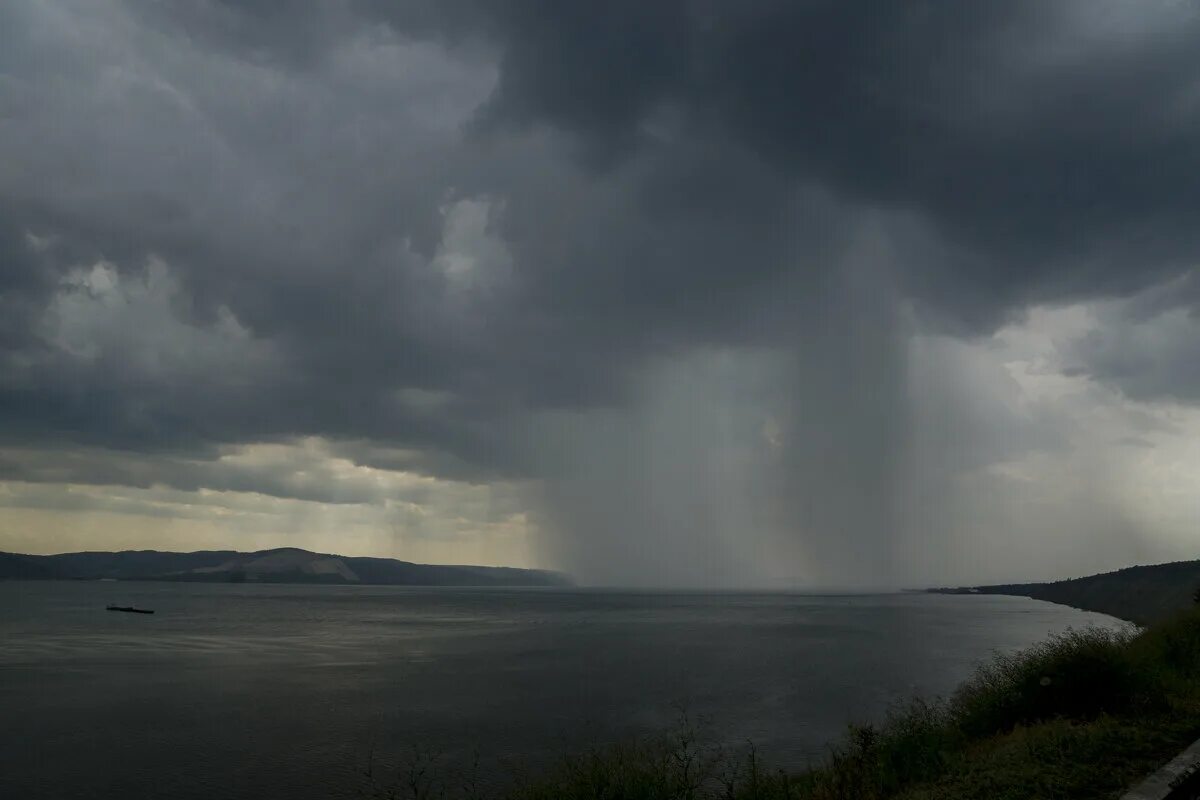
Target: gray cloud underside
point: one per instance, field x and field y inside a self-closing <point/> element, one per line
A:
<point x="647" y="179"/>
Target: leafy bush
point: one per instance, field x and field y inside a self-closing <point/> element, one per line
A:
<point x="1173" y="646"/>
<point x="1078" y="675"/>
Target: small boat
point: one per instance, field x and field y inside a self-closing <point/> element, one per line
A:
<point x="131" y="609"/>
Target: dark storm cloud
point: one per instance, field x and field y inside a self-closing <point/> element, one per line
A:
<point x="1015" y="153"/>
<point x="1055" y="142"/>
<point x="414" y="227"/>
<point x="24" y="284"/>
<point x="300" y="224"/>
<point x="137" y="145"/>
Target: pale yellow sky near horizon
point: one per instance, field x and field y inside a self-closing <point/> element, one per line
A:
<point x="46" y="532"/>
<point x="354" y="510"/>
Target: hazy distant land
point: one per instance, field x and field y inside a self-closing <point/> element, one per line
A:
<point x="1143" y="594"/>
<point x="283" y="565"/>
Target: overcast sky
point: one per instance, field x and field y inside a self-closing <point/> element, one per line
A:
<point x="683" y="292"/>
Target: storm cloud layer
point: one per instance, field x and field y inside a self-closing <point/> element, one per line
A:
<point x="683" y="292"/>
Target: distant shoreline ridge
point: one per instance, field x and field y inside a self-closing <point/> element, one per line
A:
<point x="1143" y="594"/>
<point x="278" y="565"/>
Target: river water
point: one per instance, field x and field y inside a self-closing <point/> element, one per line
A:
<point x="262" y="691"/>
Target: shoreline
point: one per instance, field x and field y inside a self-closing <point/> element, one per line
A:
<point x="1143" y="595"/>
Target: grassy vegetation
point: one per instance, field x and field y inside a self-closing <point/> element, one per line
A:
<point x="1083" y="715"/>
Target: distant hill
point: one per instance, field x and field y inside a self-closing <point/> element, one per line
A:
<point x="283" y="565"/>
<point x="1144" y="594"/>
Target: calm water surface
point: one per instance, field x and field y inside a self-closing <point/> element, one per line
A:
<point x="284" y="691"/>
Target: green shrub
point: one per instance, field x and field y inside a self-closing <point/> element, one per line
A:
<point x="1173" y="645"/>
<point x="1078" y="675"/>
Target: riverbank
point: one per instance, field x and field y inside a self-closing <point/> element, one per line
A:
<point x="1083" y="715"/>
<point x="1143" y="594"/>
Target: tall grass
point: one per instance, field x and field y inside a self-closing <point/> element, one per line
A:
<point x="1080" y="715"/>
